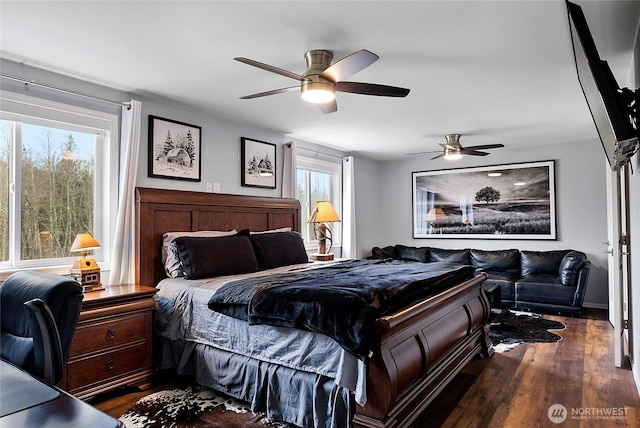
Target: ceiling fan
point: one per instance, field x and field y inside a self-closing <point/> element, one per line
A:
<point x="321" y="80"/>
<point x="453" y="149"/>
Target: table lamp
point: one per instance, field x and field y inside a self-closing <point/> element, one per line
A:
<point x="323" y="213"/>
<point x="86" y="270"/>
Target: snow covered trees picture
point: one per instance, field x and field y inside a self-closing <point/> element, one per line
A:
<point x="174" y="149"/>
<point x="258" y="163"/>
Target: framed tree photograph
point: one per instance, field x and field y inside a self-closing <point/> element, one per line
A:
<point x="258" y="163"/>
<point x="515" y="201"/>
<point x="174" y="149"/>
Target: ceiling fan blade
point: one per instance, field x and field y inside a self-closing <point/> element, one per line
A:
<point x="349" y="65"/>
<point x="485" y="147"/>
<point x="439" y="156"/>
<point x="371" y="89"/>
<point x="330" y="107"/>
<point x="274" y="92"/>
<point x="472" y="152"/>
<point x="271" y="68"/>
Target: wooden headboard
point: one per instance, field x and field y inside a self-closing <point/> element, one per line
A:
<point x="159" y="211"/>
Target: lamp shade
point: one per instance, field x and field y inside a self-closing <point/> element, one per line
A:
<point x="84" y="242"/>
<point x="323" y="213"/>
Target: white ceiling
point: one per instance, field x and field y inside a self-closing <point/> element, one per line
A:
<point x="494" y="71"/>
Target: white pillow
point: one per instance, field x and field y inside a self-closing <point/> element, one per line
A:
<point x="170" y="258"/>
<point x="282" y="229"/>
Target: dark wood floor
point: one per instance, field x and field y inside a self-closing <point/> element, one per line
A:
<point x="517" y="388"/>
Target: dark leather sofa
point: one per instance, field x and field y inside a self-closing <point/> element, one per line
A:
<point x="553" y="281"/>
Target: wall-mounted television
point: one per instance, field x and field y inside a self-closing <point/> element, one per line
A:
<point x="612" y="108"/>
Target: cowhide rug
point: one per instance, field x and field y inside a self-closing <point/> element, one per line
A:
<point x="511" y="328"/>
<point x="193" y="407"/>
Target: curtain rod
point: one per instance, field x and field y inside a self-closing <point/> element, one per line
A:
<point x="319" y="153"/>
<point x="66" y="91"/>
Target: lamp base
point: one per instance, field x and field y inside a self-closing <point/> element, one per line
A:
<point x="322" y="257"/>
<point x="87" y="273"/>
<point x="92" y="287"/>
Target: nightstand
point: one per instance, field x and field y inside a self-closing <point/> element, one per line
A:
<point x="111" y="347"/>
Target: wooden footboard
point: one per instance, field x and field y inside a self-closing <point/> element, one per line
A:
<point x="420" y="350"/>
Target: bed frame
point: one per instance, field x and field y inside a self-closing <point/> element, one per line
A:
<point x="418" y="350"/>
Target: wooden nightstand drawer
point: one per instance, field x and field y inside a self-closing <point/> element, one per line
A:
<point x="104" y="334"/>
<point x="112" y="345"/>
<point x="107" y="366"/>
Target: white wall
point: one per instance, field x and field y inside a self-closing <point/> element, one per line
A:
<point x="369" y="205"/>
<point x="580" y="204"/>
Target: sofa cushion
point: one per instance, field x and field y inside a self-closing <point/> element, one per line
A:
<point x="506" y="282"/>
<point x="498" y="260"/>
<point x="388" y="252"/>
<point x="544" y="288"/>
<point x="451" y="256"/>
<point x="541" y="262"/>
<point x="570" y="267"/>
<point x="412" y="254"/>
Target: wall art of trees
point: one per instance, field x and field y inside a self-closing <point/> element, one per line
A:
<point x="515" y="201"/>
<point x="175" y="150"/>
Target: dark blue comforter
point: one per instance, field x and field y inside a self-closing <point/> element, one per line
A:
<point x="341" y="301"/>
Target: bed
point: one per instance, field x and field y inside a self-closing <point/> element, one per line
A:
<point x="290" y="374"/>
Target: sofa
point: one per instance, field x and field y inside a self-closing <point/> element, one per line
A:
<point x="551" y="281"/>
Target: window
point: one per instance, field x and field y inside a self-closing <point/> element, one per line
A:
<point x="318" y="180"/>
<point x="55" y="181"/>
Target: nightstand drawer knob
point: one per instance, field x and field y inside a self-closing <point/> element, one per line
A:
<point x="109" y="365"/>
<point x="111" y="334"/>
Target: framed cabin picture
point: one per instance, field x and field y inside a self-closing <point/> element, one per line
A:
<point x="174" y="149"/>
<point x="514" y="201"/>
<point x="258" y="163"/>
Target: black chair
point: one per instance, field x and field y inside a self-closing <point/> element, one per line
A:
<point x="38" y="317"/>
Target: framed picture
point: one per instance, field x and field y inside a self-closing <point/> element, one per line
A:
<point x="515" y="201"/>
<point x="258" y="163"/>
<point x="174" y="149"/>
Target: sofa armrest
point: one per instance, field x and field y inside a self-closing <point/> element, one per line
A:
<point x="581" y="286"/>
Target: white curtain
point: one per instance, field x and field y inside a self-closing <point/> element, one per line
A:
<point x="289" y="171"/>
<point x="123" y="249"/>
<point x="349" y="249"/>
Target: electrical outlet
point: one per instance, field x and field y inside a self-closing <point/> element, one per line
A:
<point x="209" y="187"/>
<point x="216" y="187"/>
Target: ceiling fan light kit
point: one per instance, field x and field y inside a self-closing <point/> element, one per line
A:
<point x="453" y="150"/>
<point x="451" y="153"/>
<point x="321" y="80"/>
<point x="318" y="92"/>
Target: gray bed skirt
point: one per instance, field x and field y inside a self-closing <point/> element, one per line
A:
<point x="281" y="393"/>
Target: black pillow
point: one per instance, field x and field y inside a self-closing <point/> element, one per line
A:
<point x="203" y="257"/>
<point x="451" y="256"/>
<point x="541" y="262"/>
<point x="496" y="260"/>
<point x="570" y="267"/>
<point x="412" y="254"/>
<point x="279" y="249"/>
<point x="388" y="252"/>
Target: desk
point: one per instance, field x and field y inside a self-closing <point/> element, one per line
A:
<point x="51" y="408"/>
